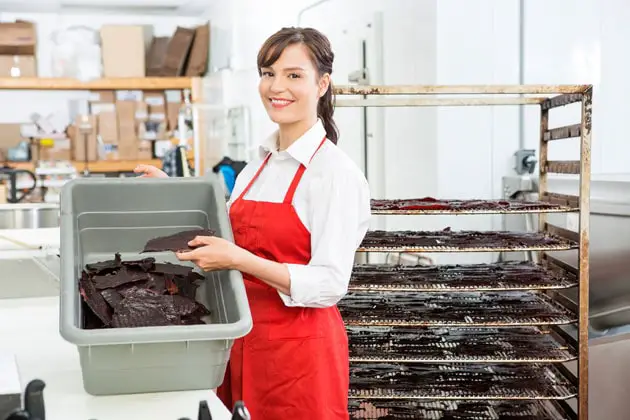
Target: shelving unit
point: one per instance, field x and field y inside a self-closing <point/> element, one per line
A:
<point x="478" y="340"/>
<point x="195" y="85"/>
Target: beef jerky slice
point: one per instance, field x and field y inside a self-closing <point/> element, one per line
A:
<point x="168" y="268"/>
<point x="94" y="299"/>
<point x="145" y="264"/>
<point x="112" y="297"/>
<point x="119" y="278"/>
<point x="105" y="267"/>
<point x="177" y="242"/>
<point x="141" y="312"/>
<point x="136" y="292"/>
<point x="186" y="287"/>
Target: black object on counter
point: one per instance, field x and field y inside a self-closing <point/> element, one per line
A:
<point x="12" y="174"/>
<point x="204" y="411"/>
<point x="240" y="412"/>
<point x="33" y="403"/>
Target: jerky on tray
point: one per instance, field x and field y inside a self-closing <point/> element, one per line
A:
<point x="177" y="242"/>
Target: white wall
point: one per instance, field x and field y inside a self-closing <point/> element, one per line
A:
<point x="18" y="105"/>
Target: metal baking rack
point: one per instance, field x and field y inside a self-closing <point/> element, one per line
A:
<point x="478" y="341"/>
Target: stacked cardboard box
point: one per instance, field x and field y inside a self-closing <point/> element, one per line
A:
<point x="18" y="45"/>
<point x="133" y="51"/>
<point x="126" y="124"/>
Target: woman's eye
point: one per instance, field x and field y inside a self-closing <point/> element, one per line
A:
<point x="267" y="74"/>
<point x="294" y="76"/>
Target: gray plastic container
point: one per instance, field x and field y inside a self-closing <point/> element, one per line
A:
<point x="101" y="216"/>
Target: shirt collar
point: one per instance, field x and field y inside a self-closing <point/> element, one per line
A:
<point x="302" y="149"/>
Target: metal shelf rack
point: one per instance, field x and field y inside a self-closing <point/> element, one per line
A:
<point x="487" y="339"/>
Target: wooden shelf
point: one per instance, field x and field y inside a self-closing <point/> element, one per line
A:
<point x="131" y="83"/>
<point x="98" y="166"/>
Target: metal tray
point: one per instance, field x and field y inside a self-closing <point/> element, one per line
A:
<point x="418" y="309"/>
<point x="463" y="410"/>
<point x="458" y="345"/>
<point x="451" y="241"/>
<point x="457" y="382"/>
<point x="430" y="205"/>
<point x="513" y="275"/>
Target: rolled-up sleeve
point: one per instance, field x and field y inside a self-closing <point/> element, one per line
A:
<point x="339" y="215"/>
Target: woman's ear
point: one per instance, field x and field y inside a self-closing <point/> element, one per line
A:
<point x="324" y="83"/>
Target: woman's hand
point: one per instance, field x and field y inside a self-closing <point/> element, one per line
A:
<point x="213" y="253"/>
<point x="149" y="171"/>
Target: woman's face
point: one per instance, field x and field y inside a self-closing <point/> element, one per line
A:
<point x="290" y="89"/>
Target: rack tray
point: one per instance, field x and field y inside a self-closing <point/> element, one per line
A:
<point x="457" y="382"/>
<point x="461" y="241"/>
<point x="457" y="345"/>
<point x="461" y="410"/>
<point x="429" y="205"/>
<point x="416" y="309"/>
<point x="513" y="275"/>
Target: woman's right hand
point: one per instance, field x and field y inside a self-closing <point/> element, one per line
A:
<point x="149" y="171"/>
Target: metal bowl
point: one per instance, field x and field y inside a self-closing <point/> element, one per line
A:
<point x="29" y="216"/>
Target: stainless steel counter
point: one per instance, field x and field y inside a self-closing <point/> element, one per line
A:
<point x="29" y="216"/>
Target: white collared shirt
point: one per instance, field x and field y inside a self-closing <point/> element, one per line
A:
<point x="333" y="202"/>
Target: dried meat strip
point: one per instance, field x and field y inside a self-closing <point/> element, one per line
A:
<point x="119" y="278"/>
<point x="168" y="268"/>
<point x="127" y="294"/>
<point x="176" y="242"/>
<point x="460" y="239"/>
<point x="145" y="264"/>
<point x="94" y="299"/>
<point x="105" y="267"/>
<point x="430" y="203"/>
<point x="135" y="312"/>
<point x="397" y="409"/>
<point x="112" y="297"/>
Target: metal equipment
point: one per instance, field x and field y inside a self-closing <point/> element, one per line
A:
<point x="480" y="341"/>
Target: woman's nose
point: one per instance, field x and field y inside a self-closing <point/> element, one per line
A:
<point x="277" y="85"/>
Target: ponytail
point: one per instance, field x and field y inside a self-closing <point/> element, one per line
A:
<point x="325" y="111"/>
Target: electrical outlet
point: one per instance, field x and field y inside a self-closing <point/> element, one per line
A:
<point x="573" y="222"/>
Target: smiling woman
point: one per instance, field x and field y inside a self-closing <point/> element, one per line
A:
<point x="298" y="214"/>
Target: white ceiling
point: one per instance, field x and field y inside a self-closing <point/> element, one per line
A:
<point x="179" y="7"/>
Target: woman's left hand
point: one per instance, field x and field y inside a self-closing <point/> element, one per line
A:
<point x="213" y="253"/>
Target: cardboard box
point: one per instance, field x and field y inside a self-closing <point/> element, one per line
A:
<point x="108" y="126"/>
<point x="18" y="38"/>
<point x="156" y="56"/>
<point x="61" y="150"/>
<point x="177" y="52"/>
<point x="110" y="152"/>
<point x="10" y="136"/>
<point x="127" y="130"/>
<point x="83" y="138"/>
<point x="102" y="96"/>
<point x="173" y="105"/>
<point x="142" y="112"/>
<point x="18" y="66"/>
<point x="197" y="65"/>
<point x="124" y="49"/>
<point x="145" y="150"/>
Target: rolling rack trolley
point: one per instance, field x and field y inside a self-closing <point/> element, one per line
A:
<point x="478" y="341"/>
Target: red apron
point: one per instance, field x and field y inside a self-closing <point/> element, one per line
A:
<point x="294" y="362"/>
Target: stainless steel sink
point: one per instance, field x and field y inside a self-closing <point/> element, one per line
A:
<point x="29" y="216"/>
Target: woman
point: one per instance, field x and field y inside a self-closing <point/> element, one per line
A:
<point x="298" y="214"/>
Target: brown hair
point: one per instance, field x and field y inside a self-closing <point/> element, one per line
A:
<point x="322" y="56"/>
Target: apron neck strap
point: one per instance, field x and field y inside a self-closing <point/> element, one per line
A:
<point x="288" y="198"/>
